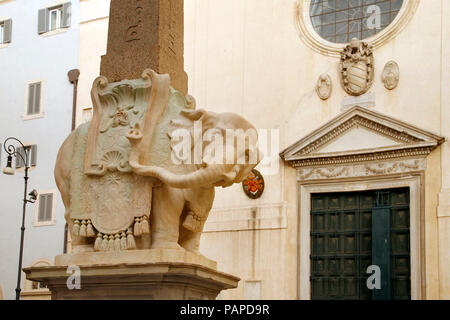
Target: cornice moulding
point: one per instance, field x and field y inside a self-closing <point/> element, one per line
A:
<point x="407" y="141"/>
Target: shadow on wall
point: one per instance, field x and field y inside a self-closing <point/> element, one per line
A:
<point x="1" y="293"/>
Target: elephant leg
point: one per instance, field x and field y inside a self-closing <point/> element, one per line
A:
<point x="189" y="240"/>
<point x="198" y="203"/>
<point x="167" y="206"/>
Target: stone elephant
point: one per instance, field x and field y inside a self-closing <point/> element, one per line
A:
<point x="182" y="191"/>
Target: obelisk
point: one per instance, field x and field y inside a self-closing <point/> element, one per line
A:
<point x="145" y="34"/>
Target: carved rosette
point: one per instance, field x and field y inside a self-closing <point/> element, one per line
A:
<point x="324" y="86"/>
<point x="391" y="75"/>
<point x="357" y="68"/>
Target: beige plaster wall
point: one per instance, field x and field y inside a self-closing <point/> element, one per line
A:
<point x="444" y="196"/>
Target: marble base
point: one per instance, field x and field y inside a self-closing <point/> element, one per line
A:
<point x="140" y="274"/>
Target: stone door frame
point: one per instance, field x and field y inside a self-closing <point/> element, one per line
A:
<point x="415" y="183"/>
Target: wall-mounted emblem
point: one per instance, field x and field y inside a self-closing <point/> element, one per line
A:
<point x="391" y="75"/>
<point x="324" y="86"/>
<point x="253" y="185"/>
<point x="357" y="67"/>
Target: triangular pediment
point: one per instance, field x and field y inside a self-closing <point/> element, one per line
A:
<point x="360" y="131"/>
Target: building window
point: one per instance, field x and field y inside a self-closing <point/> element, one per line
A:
<point x="54" y="18"/>
<point x="34" y="98"/>
<point x="339" y="21"/>
<point x="32" y="157"/>
<point x="5" y="31"/>
<point x="45" y="208"/>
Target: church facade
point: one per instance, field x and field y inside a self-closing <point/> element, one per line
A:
<point x="363" y="179"/>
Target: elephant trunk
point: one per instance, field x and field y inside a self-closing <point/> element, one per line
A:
<point x="209" y="176"/>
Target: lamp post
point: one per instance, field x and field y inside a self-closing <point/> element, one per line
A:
<point x="9" y="170"/>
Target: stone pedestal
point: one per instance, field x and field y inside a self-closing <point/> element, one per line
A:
<point x="139" y="274"/>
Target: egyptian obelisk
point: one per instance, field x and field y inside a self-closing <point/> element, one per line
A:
<point x="145" y="34"/>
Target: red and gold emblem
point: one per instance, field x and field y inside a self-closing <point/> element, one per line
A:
<point x="253" y="185"/>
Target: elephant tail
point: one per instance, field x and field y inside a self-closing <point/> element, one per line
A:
<point x="214" y="175"/>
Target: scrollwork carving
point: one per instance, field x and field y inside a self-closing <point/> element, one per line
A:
<point x="361" y="170"/>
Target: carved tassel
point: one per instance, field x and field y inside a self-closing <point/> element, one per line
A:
<point x="137" y="227"/>
<point x="105" y="242"/>
<point x="83" y="229"/>
<point x="98" y="242"/>
<point x="131" y="244"/>
<point x="117" y="242"/>
<point x="111" y="243"/>
<point x="145" y="226"/>
<point x="76" y="228"/>
<point x="192" y="222"/>
<point x="90" y="229"/>
<point x="123" y="241"/>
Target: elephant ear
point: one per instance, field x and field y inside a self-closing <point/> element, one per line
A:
<point x="181" y="131"/>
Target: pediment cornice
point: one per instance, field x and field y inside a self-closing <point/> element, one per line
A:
<point x="399" y="140"/>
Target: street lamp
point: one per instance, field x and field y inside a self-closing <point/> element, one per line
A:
<point x="9" y="170"/>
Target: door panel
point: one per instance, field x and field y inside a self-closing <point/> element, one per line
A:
<point x="341" y="244"/>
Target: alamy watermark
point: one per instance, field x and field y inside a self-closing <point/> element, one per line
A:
<point x="74" y="280"/>
<point x="226" y="146"/>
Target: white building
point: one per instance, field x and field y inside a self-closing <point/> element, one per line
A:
<point x="38" y="46"/>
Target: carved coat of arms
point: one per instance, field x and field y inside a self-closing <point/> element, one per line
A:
<point x="357" y="68"/>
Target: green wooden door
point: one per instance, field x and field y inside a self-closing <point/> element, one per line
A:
<point x="350" y="232"/>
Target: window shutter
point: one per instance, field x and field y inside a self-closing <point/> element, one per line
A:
<point x="42" y="205"/>
<point x="66" y="15"/>
<point x="7" y="31"/>
<point x="33" y="155"/>
<point x="37" y="98"/>
<point x="49" y="207"/>
<point x="45" y="207"/>
<point x="42" y="21"/>
<point x="31" y="89"/>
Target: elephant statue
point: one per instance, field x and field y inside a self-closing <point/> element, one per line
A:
<point x="142" y="174"/>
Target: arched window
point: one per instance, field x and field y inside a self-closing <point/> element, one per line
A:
<point x="339" y="21"/>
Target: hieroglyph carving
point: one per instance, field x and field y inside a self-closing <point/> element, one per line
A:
<point x="357" y="68"/>
<point x="134" y="31"/>
<point x="391" y="75"/>
<point x="324" y="86"/>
